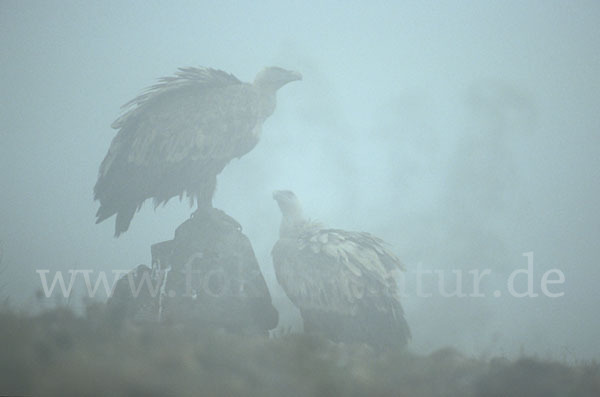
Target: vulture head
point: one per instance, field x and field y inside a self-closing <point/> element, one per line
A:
<point x="290" y="209"/>
<point x="273" y="78"/>
<point x="287" y="201"/>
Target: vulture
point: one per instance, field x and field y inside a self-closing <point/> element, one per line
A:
<point x="179" y="134"/>
<point x="344" y="283"/>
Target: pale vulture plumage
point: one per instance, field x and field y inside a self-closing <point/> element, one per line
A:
<point x="179" y="135"/>
<point x="344" y="283"/>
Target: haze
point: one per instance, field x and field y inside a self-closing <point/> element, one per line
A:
<point x="465" y="134"/>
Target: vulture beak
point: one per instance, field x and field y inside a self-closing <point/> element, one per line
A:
<point x="282" y="195"/>
<point x="294" y="76"/>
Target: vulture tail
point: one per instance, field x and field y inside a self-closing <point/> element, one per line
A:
<point x="103" y="213"/>
<point x="124" y="217"/>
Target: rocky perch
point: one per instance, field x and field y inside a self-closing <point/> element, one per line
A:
<point x="206" y="277"/>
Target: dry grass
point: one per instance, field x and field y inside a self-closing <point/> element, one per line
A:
<point x="57" y="353"/>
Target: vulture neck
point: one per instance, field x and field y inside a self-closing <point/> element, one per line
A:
<point x="267" y="87"/>
<point x="291" y="222"/>
<point x="268" y="100"/>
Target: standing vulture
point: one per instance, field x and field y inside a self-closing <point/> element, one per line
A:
<point x="178" y="136"/>
<point x="343" y="282"/>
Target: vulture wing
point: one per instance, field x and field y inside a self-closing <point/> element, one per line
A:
<point x="175" y="139"/>
<point x="344" y="285"/>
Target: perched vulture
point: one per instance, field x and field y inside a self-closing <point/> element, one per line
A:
<point x="178" y="136"/>
<point x="343" y="282"/>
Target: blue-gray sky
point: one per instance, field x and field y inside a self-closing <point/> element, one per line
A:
<point x="464" y="133"/>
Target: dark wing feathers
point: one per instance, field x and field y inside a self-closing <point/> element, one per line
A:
<point x="176" y="139"/>
<point x="360" y="248"/>
<point x="356" y="258"/>
<point x="185" y="77"/>
<point x="341" y="280"/>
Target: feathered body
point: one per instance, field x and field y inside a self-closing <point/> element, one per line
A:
<point x="344" y="283"/>
<point x="179" y="135"/>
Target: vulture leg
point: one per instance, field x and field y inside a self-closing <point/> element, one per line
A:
<point x="207" y="213"/>
<point x="204" y="195"/>
<point x="203" y="208"/>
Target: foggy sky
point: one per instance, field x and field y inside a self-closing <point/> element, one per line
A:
<point x="463" y="133"/>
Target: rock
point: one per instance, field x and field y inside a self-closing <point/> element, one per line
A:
<point x="210" y="277"/>
<point x="135" y="296"/>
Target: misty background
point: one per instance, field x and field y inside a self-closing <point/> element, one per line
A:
<point x="463" y="133"/>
